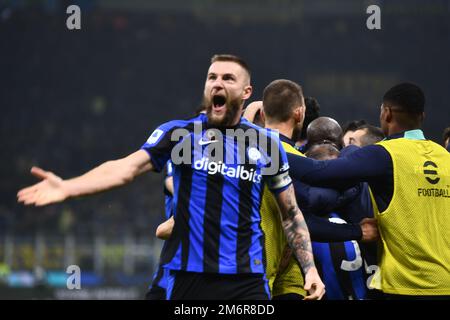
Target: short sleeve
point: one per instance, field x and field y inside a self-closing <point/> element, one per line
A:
<point x="161" y="142"/>
<point x="159" y="146"/>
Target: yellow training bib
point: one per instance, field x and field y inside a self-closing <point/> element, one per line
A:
<point x="291" y="279"/>
<point x="414" y="257"/>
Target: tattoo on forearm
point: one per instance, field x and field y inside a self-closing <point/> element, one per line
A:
<point x="297" y="232"/>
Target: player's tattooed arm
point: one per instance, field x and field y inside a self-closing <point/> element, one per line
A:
<point x="298" y="237"/>
<point x="295" y="227"/>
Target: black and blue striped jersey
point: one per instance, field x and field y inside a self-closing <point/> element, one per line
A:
<point x="341" y="268"/>
<point x="168" y="197"/>
<point x="159" y="279"/>
<point x="216" y="203"/>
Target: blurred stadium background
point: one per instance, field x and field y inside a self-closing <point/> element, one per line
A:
<point x="73" y="99"/>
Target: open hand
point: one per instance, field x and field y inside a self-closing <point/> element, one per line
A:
<point x="49" y="190"/>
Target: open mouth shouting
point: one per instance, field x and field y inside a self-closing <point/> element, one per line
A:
<point x="219" y="104"/>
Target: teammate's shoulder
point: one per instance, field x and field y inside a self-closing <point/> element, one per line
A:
<point x="291" y="149"/>
<point x="374" y="154"/>
<point x="245" y="124"/>
<point x="371" y="148"/>
<point x="439" y="147"/>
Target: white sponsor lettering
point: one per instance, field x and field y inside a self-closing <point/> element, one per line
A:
<point x="238" y="172"/>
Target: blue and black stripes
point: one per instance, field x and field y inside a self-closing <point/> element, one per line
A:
<point x="216" y="203"/>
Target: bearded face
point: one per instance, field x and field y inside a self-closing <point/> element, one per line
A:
<point x="226" y="89"/>
<point x="222" y="110"/>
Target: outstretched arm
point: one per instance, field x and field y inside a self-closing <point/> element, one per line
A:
<point x="298" y="237"/>
<point x="111" y="174"/>
<point x="368" y="164"/>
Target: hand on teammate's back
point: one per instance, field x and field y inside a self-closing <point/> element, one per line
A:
<point x="369" y="228"/>
<point x="49" y="190"/>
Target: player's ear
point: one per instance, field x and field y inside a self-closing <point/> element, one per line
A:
<point x="388" y="114"/>
<point x="299" y="114"/>
<point x="248" y="90"/>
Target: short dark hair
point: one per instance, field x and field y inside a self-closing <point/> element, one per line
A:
<point x="406" y="96"/>
<point x="280" y="98"/>
<point x="353" y="125"/>
<point x="446" y="135"/>
<point x="372" y="136"/>
<point x="312" y="112"/>
<point x="231" y="58"/>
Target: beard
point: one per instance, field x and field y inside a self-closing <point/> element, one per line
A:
<point x="232" y="109"/>
<point x="297" y="133"/>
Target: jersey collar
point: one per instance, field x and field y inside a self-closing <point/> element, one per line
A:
<point x="287" y="140"/>
<point x="416" y="134"/>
